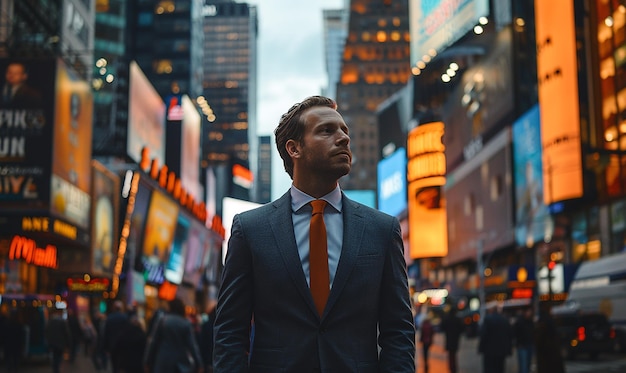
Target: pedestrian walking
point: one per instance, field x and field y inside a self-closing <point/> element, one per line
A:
<point x="427" y="334"/>
<point x="205" y="338"/>
<point x="324" y="276"/>
<point x="115" y="322"/>
<point x="131" y="345"/>
<point x="172" y="346"/>
<point x="99" y="355"/>
<point x="59" y="338"/>
<point x="496" y="340"/>
<point x="547" y="345"/>
<point x="13" y="333"/>
<point x="523" y="332"/>
<point x="452" y="327"/>
<point x="76" y="332"/>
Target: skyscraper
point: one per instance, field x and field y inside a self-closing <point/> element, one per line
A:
<point x="375" y="65"/>
<point x="229" y="86"/>
<point x="167" y="45"/>
<point x="335" y="34"/>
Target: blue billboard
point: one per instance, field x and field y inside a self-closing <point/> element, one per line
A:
<point x="392" y="184"/>
<point x="531" y="214"/>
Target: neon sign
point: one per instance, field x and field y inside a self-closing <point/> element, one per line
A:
<point x="26" y="249"/>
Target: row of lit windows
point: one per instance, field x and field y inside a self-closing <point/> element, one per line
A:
<point x="611" y="34"/>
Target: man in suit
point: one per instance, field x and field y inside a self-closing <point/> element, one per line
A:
<point x="496" y="340"/>
<point x="365" y="325"/>
<point x="16" y="93"/>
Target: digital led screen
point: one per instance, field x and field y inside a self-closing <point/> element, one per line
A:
<point x="436" y="24"/>
<point x="557" y="78"/>
<point x="392" y="183"/>
<point x="26" y="124"/>
<point x="146" y="118"/>
<point x="104" y="230"/>
<point x="190" y="148"/>
<point x="530" y="212"/>
<point x="71" y="166"/>
<point x="428" y="234"/>
<point x="176" y="261"/>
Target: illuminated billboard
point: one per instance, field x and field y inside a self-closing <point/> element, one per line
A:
<point x="426" y="170"/>
<point x="146" y="118"/>
<point x="436" y="24"/>
<point x="71" y="166"/>
<point x="190" y="148"/>
<point x="531" y="214"/>
<point x="230" y="208"/>
<point x="26" y="124"/>
<point x="197" y="254"/>
<point x="159" y="232"/>
<point x="392" y="183"/>
<point x="176" y="262"/>
<point x="104" y="229"/>
<point x="557" y="76"/>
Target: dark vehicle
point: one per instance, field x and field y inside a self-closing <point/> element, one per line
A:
<point x="471" y="320"/>
<point x="584" y="333"/>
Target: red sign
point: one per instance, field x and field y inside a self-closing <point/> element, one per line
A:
<point x="26" y="249"/>
<point x="92" y="284"/>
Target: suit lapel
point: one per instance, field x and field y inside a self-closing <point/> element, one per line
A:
<point x="282" y="227"/>
<point x="353" y="228"/>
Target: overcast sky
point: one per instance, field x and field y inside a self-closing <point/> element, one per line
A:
<point x="291" y="64"/>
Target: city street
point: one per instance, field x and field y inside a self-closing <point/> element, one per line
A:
<point x="469" y="362"/>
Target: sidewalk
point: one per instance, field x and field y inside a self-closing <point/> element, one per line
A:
<point x="82" y="364"/>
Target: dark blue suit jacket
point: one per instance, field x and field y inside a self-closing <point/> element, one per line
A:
<point x="367" y="325"/>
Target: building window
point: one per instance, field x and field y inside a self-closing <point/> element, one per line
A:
<point x="469" y="204"/>
<point x="496" y="187"/>
<point x="163" y="67"/>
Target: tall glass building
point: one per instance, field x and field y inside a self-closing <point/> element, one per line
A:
<point x="229" y="86"/>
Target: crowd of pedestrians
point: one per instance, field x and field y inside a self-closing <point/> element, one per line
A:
<point x="117" y="341"/>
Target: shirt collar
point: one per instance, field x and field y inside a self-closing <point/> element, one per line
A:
<point x="300" y="199"/>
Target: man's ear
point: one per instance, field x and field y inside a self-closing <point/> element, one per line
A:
<point x="292" y="148"/>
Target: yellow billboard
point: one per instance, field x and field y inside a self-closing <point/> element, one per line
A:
<point x="426" y="169"/>
<point x="557" y="75"/>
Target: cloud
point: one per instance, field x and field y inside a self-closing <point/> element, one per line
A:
<point x="291" y="64"/>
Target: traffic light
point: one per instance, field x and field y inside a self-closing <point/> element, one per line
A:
<point x="551" y="265"/>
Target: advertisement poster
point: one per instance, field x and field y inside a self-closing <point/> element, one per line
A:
<point x="530" y="212"/>
<point x="159" y="233"/>
<point x="197" y="243"/>
<point x="104" y="230"/>
<point x="71" y="166"/>
<point x="26" y="122"/>
<point x="146" y="118"/>
<point x="176" y="262"/>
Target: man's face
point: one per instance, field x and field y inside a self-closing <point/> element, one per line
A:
<point x="325" y="149"/>
<point x="15" y="74"/>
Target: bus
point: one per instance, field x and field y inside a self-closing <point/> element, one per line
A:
<point x="600" y="286"/>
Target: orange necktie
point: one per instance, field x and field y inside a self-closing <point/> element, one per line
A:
<point x="318" y="256"/>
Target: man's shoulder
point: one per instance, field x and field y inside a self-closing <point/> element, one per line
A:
<point x="366" y="210"/>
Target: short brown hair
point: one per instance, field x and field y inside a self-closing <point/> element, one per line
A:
<point x="290" y="127"/>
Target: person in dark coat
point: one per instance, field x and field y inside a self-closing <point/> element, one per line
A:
<point x="76" y="331"/>
<point x="115" y="323"/>
<point x="547" y="346"/>
<point x="172" y="346"/>
<point x="59" y="338"/>
<point x="99" y="355"/>
<point x="130" y="346"/>
<point x="523" y="331"/>
<point x="452" y="327"/>
<point x="427" y="335"/>
<point x="496" y="340"/>
<point x="13" y="334"/>
<point x="205" y="340"/>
